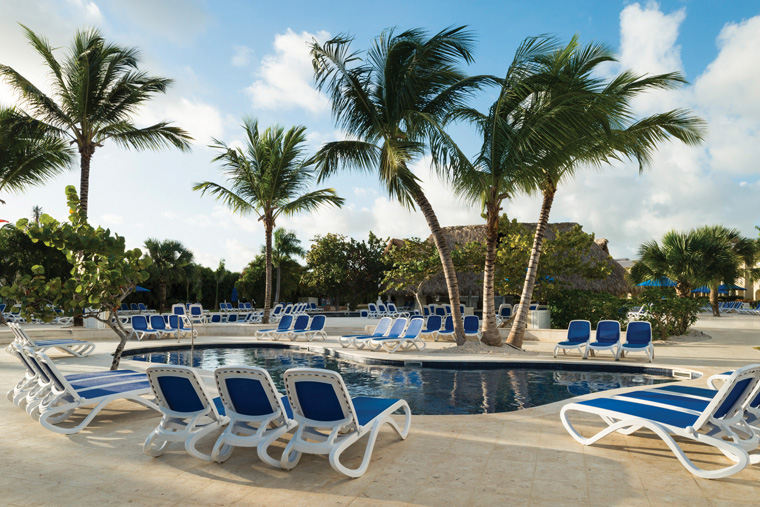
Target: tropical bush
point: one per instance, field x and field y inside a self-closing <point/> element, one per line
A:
<point x="571" y="304"/>
<point x="670" y="315"/>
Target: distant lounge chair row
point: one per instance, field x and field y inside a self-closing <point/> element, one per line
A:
<point x="390" y="335"/>
<point x="158" y="326"/>
<point x="134" y="308"/>
<point x="304" y="326"/>
<point x="318" y="406"/>
<point x="638" y="338"/>
<point x="78" y="348"/>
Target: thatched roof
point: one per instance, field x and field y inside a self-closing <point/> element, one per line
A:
<point x="470" y="283"/>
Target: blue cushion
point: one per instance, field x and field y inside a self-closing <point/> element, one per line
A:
<point x="180" y="394"/>
<point x="657" y="414"/>
<point x="733" y="395"/>
<point x="219" y="406"/>
<point x="368" y="408"/>
<point x="668" y="399"/>
<point x="318" y="401"/>
<point x="106" y="379"/>
<point x="248" y="396"/>
<point x="120" y="388"/>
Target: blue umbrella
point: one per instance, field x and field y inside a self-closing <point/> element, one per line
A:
<point x="662" y="282"/>
<point x="141" y="289"/>
<point x="234" y="296"/>
<point x="729" y="286"/>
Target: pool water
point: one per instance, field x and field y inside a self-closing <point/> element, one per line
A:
<point x="429" y="391"/>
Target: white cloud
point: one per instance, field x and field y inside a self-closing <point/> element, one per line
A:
<point x="110" y="219"/>
<point x="179" y="21"/>
<point x="286" y="76"/>
<point x="241" y="56"/>
<point x="202" y="120"/>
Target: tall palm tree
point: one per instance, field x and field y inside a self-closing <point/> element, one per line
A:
<point x="391" y="104"/>
<point x="285" y="246"/>
<point x="170" y="258"/>
<point x="221" y="270"/>
<point x="268" y="177"/>
<point x="97" y="88"/>
<point x="680" y="257"/>
<point x="602" y="128"/>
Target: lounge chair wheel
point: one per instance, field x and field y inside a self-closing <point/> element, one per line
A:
<point x="152" y="450"/>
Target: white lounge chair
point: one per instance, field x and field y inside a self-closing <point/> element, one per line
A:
<point x="189" y="413"/>
<point x="472" y="327"/>
<point x="329" y="420"/>
<point x="666" y="418"/>
<point x="78" y="348"/>
<point x="578" y="336"/>
<point x="258" y="413"/>
<point x="282" y="326"/>
<point x="432" y="326"/>
<point x="301" y="323"/>
<point x="315" y="330"/>
<point x="638" y="338"/>
<point x="380" y="330"/>
<point x="395" y="332"/>
<point x="410" y="338"/>
<point x="607" y="338"/>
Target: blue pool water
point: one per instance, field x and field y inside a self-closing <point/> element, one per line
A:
<point x="431" y="391"/>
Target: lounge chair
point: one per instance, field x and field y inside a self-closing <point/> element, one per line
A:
<point x="329" y="420"/>
<point x="134" y="307"/>
<point x="316" y="329"/>
<point x="258" y="413"/>
<point x="578" y="336"/>
<point x="638" y="338"/>
<point x="140" y="328"/>
<point x="665" y="416"/>
<point x="144" y="309"/>
<point x="410" y="338"/>
<point x="177" y="322"/>
<point x="472" y="326"/>
<point x="607" y="338"/>
<point x="196" y="314"/>
<point x="504" y="314"/>
<point x="432" y="326"/>
<point x="395" y="331"/>
<point x="189" y="413"/>
<point x="282" y="326"/>
<point x="78" y="348"/>
<point x="381" y="328"/>
<point x="65" y="396"/>
<point x="448" y="328"/>
<point x="300" y="324"/>
<point x="157" y="323"/>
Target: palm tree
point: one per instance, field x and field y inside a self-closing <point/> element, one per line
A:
<point x="221" y="270"/>
<point x="169" y="261"/>
<point x="268" y="177"/>
<point x="391" y="105"/>
<point x="97" y="88"/>
<point x="680" y="257"/>
<point x="36" y="213"/>
<point x="286" y="245"/>
<point x="590" y="122"/>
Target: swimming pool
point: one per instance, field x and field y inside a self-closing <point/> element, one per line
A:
<point x="442" y="390"/>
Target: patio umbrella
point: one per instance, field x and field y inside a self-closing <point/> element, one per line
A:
<point x="234" y="296"/>
<point x="701" y="290"/>
<point x="662" y="282"/>
<point x="141" y="289"/>
<point x="729" y="286"/>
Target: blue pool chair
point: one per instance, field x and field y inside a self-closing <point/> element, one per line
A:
<point x="78" y="348"/>
<point x="396" y="330"/>
<point x="448" y="328"/>
<point x="578" y="336"/>
<point x="432" y="326"/>
<point x="667" y="416"/>
<point x="140" y="328"/>
<point x="330" y="421"/>
<point x="189" y="413"/>
<point x="157" y="323"/>
<point x="410" y="338"/>
<point x="607" y="338"/>
<point x="316" y="329"/>
<point x="300" y="324"/>
<point x="283" y="325"/>
<point x="382" y="327"/>
<point x="258" y="413"/>
<point x="638" y="338"/>
<point x="472" y="326"/>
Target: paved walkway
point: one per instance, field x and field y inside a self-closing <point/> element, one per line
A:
<point x="516" y="458"/>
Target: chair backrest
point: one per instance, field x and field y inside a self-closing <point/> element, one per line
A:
<point x="124" y="307"/>
<point x="216" y="318"/>
<point x="382" y="326"/>
<point x="448" y="323"/>
<point x="139" y="323"/>
<point x="301" y="323"/>
<point x="157" y="323"/>
<point x="179" y="391"/>
<point x="425" y="311"/>
<point x="232" y="318"/>
<point x="461" y="309"/>
<point x="134" y="307"/>
<point x="638" y="332"/>
<point x="608" y="331"/>
<point x="178" y="309"/>
<point x="2" y="308"/>
<point x="50" y="371"/>
<point x="448" y="310"/>
<point x="277" y="309"/>
<point x="414" y="329"/>
<point x="319" y="398"/>
<point x="142" y="307"/>
<point x="533" y="306"/>
<point x="250" y="392"/>
<point x="505" y="312"/>
<point x="318" y="323"/>
<point x="196" y="310"/>
<point x="579" y="331"/>
<point x="398" y="327"/>
<point x="433" y="323"/>
<point x="372" y="307"/>
<point x="382" y="308"/>
<point x="174" y="321"/>
<point x="285" y="323"/>
<point x="737" y="392"/>
<point x="440" y="311"/>
<point x="471" y="324"/>
<point x="288" y="309"/>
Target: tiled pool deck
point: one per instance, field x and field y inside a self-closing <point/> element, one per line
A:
<point x="516" y="458"/>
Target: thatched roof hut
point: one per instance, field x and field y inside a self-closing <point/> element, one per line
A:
<point x="470" y="283"/>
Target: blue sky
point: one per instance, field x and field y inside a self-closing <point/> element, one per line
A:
<point x="235" y="58"/>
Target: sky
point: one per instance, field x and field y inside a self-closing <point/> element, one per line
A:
<point x="232" y="59"/>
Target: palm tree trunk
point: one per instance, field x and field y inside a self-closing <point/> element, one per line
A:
<point x="268" y="226"/>
<point x="277" y="290"/>
<point x="491" y="334"/>
<point x="85" y="155"/>
<point x="162" y="295"/>
<point x="714" y="300"/>
<point x="517" y="333"/>
<point x="449" y="273"/>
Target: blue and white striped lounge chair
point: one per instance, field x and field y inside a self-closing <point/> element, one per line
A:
<point x="65" y="396"/>
<point x="395" y="332"/>
<point x="78" y="348"/>
<point x="301" y="323"/>
<point x="189" y="413"/>
<point x="472" y="326"/>
<point x="638" y="338"/>
<point x="282" y="326"/>
<point x="667" y="416"/>
<point x="258" y="413"/>
<point x="578" y="336"/>
<point x="607" y="338"/>
<point x="410" y="338"/>
<point x="316" y="329"/>
<point x="382" y="327"/>
<point x="140" y="328"/>
<point x="432" y="326"/>
<point x="448" y="328"/>
<point x="330" y="421"/>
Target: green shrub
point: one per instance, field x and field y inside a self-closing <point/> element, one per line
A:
<point x="573" y="304"/>
<point x="669" y="314"/>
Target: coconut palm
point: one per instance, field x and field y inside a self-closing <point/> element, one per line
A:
<point x="285" y="246"/>
<point x="602" y="128"/>
<point x="269" y="178"/>
<point x="97" y="88"/>
<point x="170" y="258"/>
<point x="680" y="257"/>
<point x="390" y="103"/>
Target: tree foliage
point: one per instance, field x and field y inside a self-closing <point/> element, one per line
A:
<point x="104" y="272"/>
<point x="170" y="258"/>
<point x="669" y="314"/>
<point x="566" y="305"/>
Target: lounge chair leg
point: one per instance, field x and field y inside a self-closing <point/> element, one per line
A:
<point x="290" y="457"/>
<point x="152" y="450"/>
